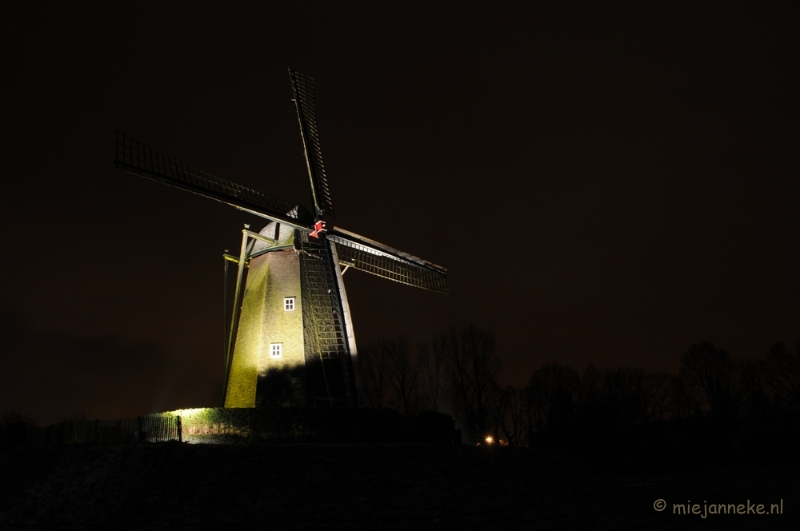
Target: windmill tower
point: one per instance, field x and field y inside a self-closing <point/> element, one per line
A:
<point x="290" y="311"/>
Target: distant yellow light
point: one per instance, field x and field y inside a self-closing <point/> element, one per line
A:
<point x="489" y="439"/>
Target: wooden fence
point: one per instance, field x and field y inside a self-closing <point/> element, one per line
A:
<point x="222" y="425"/>
<point x="151" y="428"/>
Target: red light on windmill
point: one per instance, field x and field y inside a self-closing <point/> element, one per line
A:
<point x="319" y="227"/>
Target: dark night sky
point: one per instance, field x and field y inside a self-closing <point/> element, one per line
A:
<point x="605" y="183"/>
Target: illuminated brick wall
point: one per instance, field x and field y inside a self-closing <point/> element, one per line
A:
<point x="264" y="321"/>
<point x="244" y="366"/>
<point x="279" y="325"/>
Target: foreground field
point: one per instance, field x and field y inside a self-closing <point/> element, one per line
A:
<point x="361" y="487"/>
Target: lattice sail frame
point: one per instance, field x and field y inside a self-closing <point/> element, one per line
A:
<point x="327" y="323"/>
<point x="303" y="89"/>
<point x="354" y="250"/>
<point x="138" y="159"/>
<point x="381" y="260"/>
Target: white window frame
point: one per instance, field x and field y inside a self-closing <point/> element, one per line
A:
<point x="289" y="304"/>
<point x="275" y="351"/>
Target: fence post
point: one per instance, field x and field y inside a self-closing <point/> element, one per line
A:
<point x="180" y="430"/>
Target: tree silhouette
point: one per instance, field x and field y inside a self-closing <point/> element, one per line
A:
<point x="709" y="373"/>
<point x="548" y="385"/>
<point x="633" y="395"/>
<point x="507" y="415"/>
<point x="404" y="372"/>
<point x="433" y="365"/>
<point x="375" y="374"/>
<point x="755" y="397"/>
<point x="682" y="400"/>
<point x="657" y="395"/>
<point x="782" y="374"/>
<point x="599" y="414"/>
<point x="474" y="365"/>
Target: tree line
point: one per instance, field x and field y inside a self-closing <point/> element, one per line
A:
<point x="457" y="372"/>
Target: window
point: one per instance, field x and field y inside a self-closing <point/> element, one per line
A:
<point x="288" y="304"/>
<point x="275" y="350"/>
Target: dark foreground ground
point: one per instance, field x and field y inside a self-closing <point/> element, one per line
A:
<point x="362" y="487"/>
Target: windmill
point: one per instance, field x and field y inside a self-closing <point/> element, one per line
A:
<point x="290" y="307"/>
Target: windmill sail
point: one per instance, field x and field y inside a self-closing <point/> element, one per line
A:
<point x="381" y="260"/>
<point x="291" y="316"/>
<point x="303" y="89"/>
<point x="134" y="157"/>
